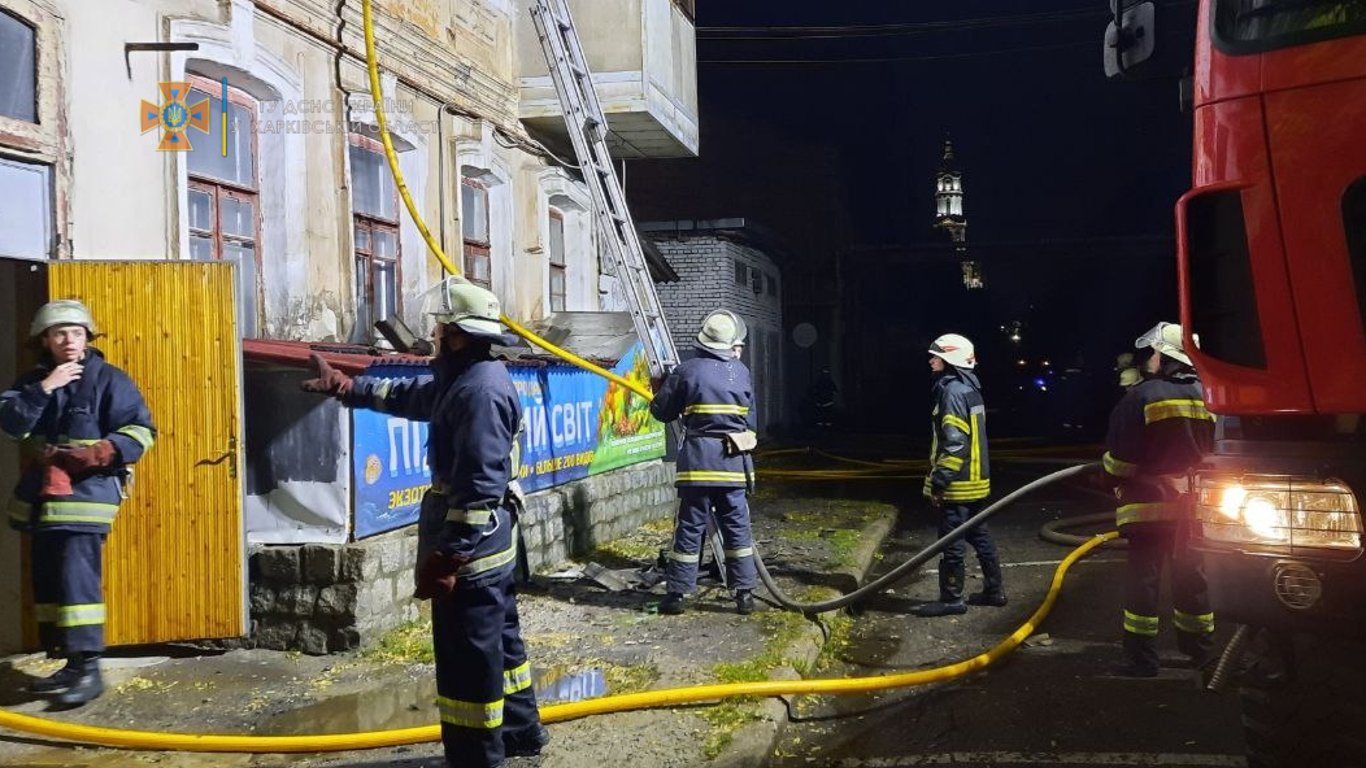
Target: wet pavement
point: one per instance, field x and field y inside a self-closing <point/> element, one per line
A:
<point x="1051" y="703"/>
<point x="584" y="641"/>
<point x="1054" y="702"/>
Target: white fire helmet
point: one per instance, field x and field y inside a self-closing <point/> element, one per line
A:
<point x="1166" y="339"/>
<point x="721" y="330"/>
<point x="955" y="350"/>
<point x="63" y="312"/>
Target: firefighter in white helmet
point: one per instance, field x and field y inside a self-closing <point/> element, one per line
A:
<point x="80" y="422"/>
<point x="1158" y="431"/>
<point x="713" y="397"/>
<point x="467" y="533"/>
<point x="960" y="475"/>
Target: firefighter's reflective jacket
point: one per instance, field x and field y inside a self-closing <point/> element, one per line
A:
<point x="713" y="395"/>
<point x="104" y="404"/>
<point x="474" y="415"/>
<point x="1158" y="431"/>
<point x="959" y="465"/>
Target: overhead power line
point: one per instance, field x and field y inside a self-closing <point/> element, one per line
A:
<point x="927" y="57"/>
<point x="780" y="32"/>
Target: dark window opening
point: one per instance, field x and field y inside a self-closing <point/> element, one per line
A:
<point x="1223" y="294"/>
<point x="557" y="263"/>
<point x="1354" y="221"/>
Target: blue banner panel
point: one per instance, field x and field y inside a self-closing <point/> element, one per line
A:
<point x="574" y="423"/>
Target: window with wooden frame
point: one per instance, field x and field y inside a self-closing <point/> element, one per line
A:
<point x="374" y="208"/>
<point x="224" y="196"/>
<point x="558" y="280"/>
<point x="474" y="228"/>
<point x="18" y="68"/>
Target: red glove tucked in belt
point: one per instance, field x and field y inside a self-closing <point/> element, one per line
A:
<point x="56" y="481"/>
<point x="86" y="457"/>
<point x="438" y="574"/>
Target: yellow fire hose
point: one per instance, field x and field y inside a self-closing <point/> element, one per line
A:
<point x="186" y="742"/>
<point x="377" y="93"/>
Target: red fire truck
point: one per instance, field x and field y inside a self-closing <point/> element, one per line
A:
<point x="1272" y="261"/>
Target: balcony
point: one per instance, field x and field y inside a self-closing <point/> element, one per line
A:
<point x="643" y="56"/>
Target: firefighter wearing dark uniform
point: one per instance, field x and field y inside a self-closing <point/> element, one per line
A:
<point x="960" y="475"/>
<point x="467" y="528"/>
<point x="80" y="422"/>
<point x="1158" y="432"/>
<point x="713" y="396"/>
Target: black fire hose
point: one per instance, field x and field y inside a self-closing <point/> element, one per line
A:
<point x="904" y="570"/>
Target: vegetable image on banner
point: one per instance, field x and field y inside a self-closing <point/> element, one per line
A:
<point x="627" y="433"/>
<point x="577" y="424"/>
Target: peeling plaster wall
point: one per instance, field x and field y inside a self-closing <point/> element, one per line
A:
<point x="127" y="200"/>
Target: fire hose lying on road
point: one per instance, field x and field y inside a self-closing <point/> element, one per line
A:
<point x="186" y="742"/>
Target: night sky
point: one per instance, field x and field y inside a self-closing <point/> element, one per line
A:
<point x="829" y="135"/>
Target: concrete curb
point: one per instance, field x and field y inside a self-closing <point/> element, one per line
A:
<point x="753" y="744"/>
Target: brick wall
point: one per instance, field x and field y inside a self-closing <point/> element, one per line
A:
<point x="706" y="266"/>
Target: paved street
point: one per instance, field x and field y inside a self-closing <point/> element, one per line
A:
<point x="1052" y="703"/>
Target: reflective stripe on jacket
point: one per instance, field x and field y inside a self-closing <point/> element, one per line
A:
<point x="1159" y="430"/>
<point x="474" y="415"/>
<point x="960" y="467"/>
<point x="104" y="404"/>
<point x="713" y="395"/>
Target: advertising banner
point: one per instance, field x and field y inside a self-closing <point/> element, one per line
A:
<point x="574" y="424"/>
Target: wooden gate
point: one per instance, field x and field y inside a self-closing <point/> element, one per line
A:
<point x="174" y="567"/>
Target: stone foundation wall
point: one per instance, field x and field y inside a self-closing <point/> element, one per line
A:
<point x="324" y="598"/>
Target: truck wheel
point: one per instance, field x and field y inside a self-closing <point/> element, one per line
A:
<point x="1314" y="713"/>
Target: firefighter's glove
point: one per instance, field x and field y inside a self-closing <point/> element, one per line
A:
<point x="937" y="498"/>
<point x="85" y="458"/>
<point x="329" y="381"/>
<point x="56" y="481"/>
<point x="438" y="574"/>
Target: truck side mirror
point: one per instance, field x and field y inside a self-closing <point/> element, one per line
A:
<point x="1129" y="38"/>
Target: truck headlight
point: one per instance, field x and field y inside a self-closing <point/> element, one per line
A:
<point x="1277" y="510"/>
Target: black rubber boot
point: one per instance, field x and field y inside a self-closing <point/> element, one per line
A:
<point x="1198" y="648"/>
<point x="672" y="604"/>
<point x="950" y="593"/>
<point x="744" y="602"/>
<point x="87" y="686"/>
<point x="528" y="743"/>
<point x="59" y="680"/>
<point x="993" y="593"/>
<point x="1140" y="656"/>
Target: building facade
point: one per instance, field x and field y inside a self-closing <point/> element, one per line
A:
<point x="727" y="264"/>
<point x="244" y="131"/>
<point x="289" y="181"/>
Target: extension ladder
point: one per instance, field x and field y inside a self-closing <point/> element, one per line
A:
<point x="587" y="127"/>
<point x="588" y="131"/>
